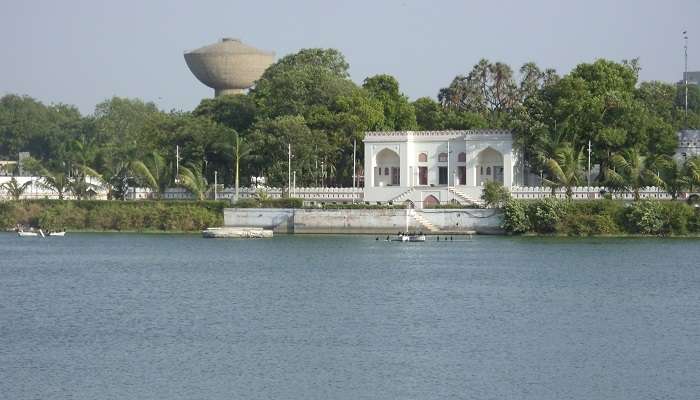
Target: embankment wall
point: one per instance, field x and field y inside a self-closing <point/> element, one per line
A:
<point x="370" y="221"/>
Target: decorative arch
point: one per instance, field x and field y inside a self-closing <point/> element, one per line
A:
<point x="442" y="157"/>
<point x="430" y="200"/>
<point x="387" y="168"/>
<point x="409" y="204"/>
<point x="462" y="157"/>
<point x="422" y="157"/>
<point x="490" y="161"/>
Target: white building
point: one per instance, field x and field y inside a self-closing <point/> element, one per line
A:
<point x="688" y="144"/>
<point x="431" y="167"/>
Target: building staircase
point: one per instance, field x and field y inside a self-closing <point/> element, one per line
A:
<point x="425" y="222"/>
<point x="402" y="197"/>
<point x="462" y="197"/>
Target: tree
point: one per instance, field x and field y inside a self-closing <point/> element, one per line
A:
<point x="237" y="112"/>
<point x="399" y="114"/>
<point x="271" y="138"/>
<point x="119" y="125"/>
<point x="564" y="169"/>
<point x="192" y="179"/>
<point x="14" y="189"/>
<point x="153" y="172"/>
<point x="58" y="182"/>
<point x="301" y="82"/>
<point x="631" y="172"/>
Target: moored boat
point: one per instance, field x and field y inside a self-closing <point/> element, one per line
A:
<point x="27" y="234"/>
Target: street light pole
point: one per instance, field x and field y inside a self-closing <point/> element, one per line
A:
<point x="354" y="168"/>
<point x="289" y="168"/>
<point x="215" y="182"/>
<point x="685" y="76"/>
<point x="589" y="163"/>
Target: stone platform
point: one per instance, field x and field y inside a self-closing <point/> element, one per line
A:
<point x="237" y="233"/>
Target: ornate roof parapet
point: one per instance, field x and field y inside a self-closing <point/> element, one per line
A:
<point x="441" y="133"/>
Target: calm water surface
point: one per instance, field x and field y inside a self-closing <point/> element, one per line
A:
<point x="108" y="316"/>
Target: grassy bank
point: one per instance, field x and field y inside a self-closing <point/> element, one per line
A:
<point x="601" y="217"/>
<point x="134" y="216"/>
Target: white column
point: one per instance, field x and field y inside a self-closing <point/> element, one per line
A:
<point x="508" y="169"/>
<point x="369" y="166"/>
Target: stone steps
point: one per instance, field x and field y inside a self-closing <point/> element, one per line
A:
<point x="465" y="197"/>
<point x="425" y="222"/>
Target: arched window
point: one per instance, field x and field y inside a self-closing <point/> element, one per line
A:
<point x="386" y="171"/>
<point x="422" y="157"/>
<point x="462" y="157"/>
<point x="488" y="170"/>
<point x="379" y="170"/>
<point x="442" y="157"/>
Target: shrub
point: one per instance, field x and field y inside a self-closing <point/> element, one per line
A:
<point x="267" y="202"/>
<point x="546" y="214"/>
<point x="515" y="219"/>
<point x="676" y="216"/>
<point x="495" y="194"/>
<point x="645" y="217"/>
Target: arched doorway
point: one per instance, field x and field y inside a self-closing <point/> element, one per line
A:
<point x="489" y="166"/>
<point x="409" y="204"/>
<point x="430" y="201"/>
<point x="387" y="170"/>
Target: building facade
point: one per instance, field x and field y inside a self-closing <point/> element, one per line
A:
<point x="429" y="167"/>
<point x="688" y="144"/>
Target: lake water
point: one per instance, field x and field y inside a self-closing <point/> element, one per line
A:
<point x="126" y="316"/>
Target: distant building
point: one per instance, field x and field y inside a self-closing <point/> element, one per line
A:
<point x="432" y="167"/>
<point x="688" y="144"/>
<point x="693" y="77"/>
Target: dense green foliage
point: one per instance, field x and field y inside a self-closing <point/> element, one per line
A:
<point x="307" y="100"/>
<point x="285" y="202"/>
<point x="120" y="216"/>
<point x="495" y="194"/>
<point x="601" y="217"/>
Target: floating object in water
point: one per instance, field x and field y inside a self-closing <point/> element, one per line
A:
<point x="238" y="233"/>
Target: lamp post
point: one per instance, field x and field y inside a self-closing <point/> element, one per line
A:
<point x="685" y="76"/>
<point x="589" y="163"/>
<point x="354" y="168"/>
<point x="289" y="169"/>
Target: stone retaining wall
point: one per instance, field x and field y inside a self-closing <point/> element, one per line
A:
<point x="368" y="221"/>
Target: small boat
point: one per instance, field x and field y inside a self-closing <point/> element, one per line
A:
<point x="405" y="237"/>
<point x="60" y="234"/>
<point x="27" y="234"/>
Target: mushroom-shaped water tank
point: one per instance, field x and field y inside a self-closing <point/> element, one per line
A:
<point x="228" y="67"/>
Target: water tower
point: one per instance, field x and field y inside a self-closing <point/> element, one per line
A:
<point x="229" y="66"/>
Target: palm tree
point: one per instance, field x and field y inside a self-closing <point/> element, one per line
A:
<point x="692" y="172"/>
<point x="85" y="180"/>
<point x="564" y="169"/>
<point x="14" y="189"/>
<point x="192" y="179"/>
<point x="153" y="172"/>
<point x="631" y="172"/>
<point x="674" y="177"/>
<point x="55" y="181"/>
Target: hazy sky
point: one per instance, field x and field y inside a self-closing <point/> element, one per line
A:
<point x="82" y="52"/>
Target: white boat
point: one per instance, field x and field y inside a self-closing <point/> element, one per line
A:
<point x="61" y="234"/>
<point x="27" y="234"/>
<point x="404" y="237"/>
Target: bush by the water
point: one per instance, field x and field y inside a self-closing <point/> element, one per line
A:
<point x="601" y="217"/>
<point x="112" y="215"/>
<point x="284" y="202"/>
